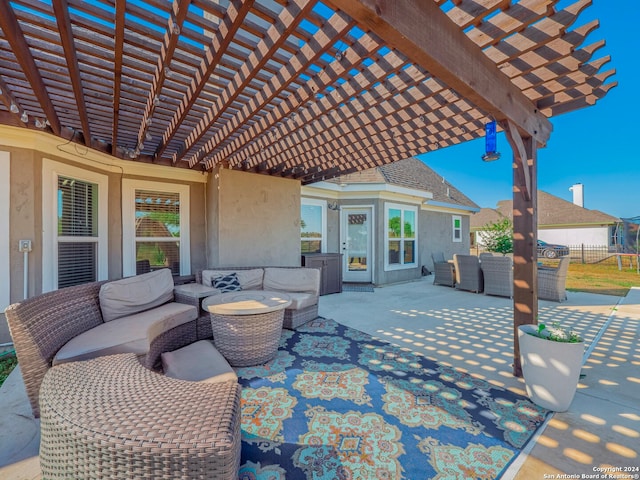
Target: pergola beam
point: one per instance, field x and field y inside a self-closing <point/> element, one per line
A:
<point x="11" y="28"/>
<point x="61" y="10"/>
<point x="117" y="70"/>
<point x="174" y="26"/>
<point x="422" y="31"/>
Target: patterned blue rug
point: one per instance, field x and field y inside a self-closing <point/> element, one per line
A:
<point x="336" y="403"/>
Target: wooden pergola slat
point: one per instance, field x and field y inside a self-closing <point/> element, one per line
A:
<point x="423" y="32"/>
<point x="276" y="36"/>
<point x="61" y="10"/>
<point x="13" y="33"/>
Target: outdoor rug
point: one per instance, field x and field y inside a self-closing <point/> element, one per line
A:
<point x="337" y="403"/>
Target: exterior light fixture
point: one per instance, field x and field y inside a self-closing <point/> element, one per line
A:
<point x="156" y="101"/>
<point x="40" y="123"/>
<point x="14" y="108"/>
<point x="148" y="137"/>
<point x="24" y="117"/>
<point x="339" y="55"/>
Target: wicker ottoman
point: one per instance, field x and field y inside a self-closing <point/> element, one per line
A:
<point x="247" y="325"/>
<point x="112" y="418"/>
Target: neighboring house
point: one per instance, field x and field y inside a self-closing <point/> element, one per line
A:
<point x="386" y="221"/>
<point x="559" y="221"/>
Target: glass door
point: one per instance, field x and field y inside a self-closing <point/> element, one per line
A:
<point x="356" y="244"/>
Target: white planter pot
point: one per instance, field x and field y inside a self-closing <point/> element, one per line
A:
<point x="551" y="370"/>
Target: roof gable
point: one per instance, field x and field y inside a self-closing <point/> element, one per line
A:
<point x="552" y="210"/>
<point x="414" y="174"/>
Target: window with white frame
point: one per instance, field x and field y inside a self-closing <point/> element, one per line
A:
<point x="156" y="227"/>
<point x="74" y="226"/>
<point x="313" y="226"/>
<point x="401" y="236"/>
<point x="457" y="228"/>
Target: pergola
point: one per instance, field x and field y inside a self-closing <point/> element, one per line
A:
<point x="303" y="89"/>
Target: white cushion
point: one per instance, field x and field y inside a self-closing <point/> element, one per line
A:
<point x="131" y="334"/>
<point x="135" y="294"/>
<point x="250" y="279"/>
<point x="292" y="279"/>
<point x="198" y="362"/>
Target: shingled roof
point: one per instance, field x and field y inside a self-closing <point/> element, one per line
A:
<point x="552" y="211"/>
<point x="415" y="174"/>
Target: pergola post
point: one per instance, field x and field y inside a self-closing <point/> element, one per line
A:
<point x="525" y="235"/>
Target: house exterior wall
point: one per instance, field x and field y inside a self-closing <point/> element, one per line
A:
<point x="23" y="153"/>
<point x="435" y="231"/>
<point x="437" y="235"/>
<point x="576" y="236"/>
<point x="254" y="220"/>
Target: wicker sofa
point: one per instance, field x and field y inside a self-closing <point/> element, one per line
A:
<point x="302" y="284"/>
<point x="110" y="417"/>
<point x="133" y="315"/>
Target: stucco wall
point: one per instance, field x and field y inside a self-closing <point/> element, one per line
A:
<point x="26" y="221"/>
<point x="436" y="231"/>
<point x="25" y="206"/>
<point x="257" y="218"/>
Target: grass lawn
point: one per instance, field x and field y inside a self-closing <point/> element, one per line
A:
<point x="7" y="362"/>
<point x="602" y="279"/>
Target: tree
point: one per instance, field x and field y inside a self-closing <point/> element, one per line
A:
<point x="497" y="236"/>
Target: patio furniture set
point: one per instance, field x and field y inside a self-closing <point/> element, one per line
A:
<point x="126" y="379"/>
<point x="493" y="275"/>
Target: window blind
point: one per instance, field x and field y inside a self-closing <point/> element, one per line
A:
<point x="77" y="231"/>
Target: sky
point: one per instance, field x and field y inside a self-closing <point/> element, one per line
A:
<point x="598" y="146"/>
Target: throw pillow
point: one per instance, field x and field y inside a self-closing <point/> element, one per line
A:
<point x="227" y="283"/>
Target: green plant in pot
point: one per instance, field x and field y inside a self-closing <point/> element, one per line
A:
<point x="551" y="358"/>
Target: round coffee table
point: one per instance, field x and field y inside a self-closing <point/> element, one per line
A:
<point x="247" y="324"/>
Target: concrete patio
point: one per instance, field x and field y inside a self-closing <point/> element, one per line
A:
<point x="472" y="333"/>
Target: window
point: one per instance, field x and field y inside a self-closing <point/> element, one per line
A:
<point x="313" y="226"/>
<point x="75" y="226"/>
<point x="400" y="236"/>
<point x="457" y="228"/>
<point x="156" y="232"/>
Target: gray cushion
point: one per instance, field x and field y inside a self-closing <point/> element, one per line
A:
<point x="300" y="300"/>
<point x="131" y="334"/>
<point x="135" y="294"/>
<point x="198" y="362"/>
<point x="292" y="280"/>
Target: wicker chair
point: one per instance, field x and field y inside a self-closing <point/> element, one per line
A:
<point x="443" y="270"/>
<point x="111" y="417"/>
<point x="484" y="255"/>
<point x="468" y="273"/>
<point x="551" y="281"/>
<point x="498" y="275"/>
<point x="42" y="324"/>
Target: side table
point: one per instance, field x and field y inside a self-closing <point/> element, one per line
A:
<point x="247" y="324"/>
<point x="193" y="294"/>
